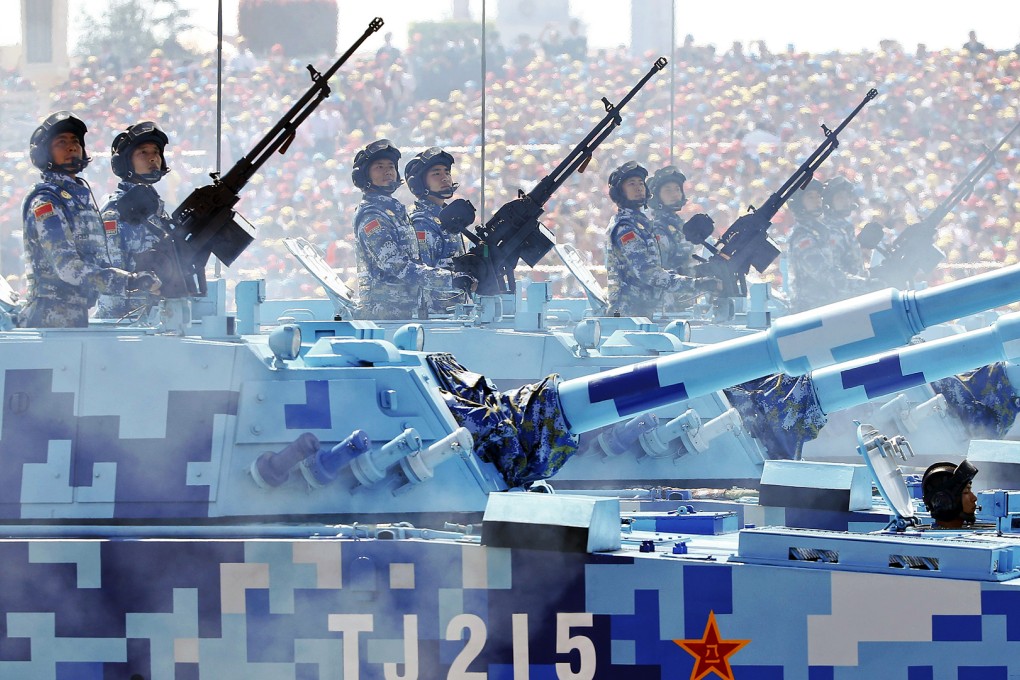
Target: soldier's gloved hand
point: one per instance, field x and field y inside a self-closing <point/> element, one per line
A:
<point x="457" y="216"/>
<point x="143" y="281"/>
<point x="698" y="228"/>
<point x="138" y="203"/>
<point x="708" y="284"/>
<point x="465" y="282"/>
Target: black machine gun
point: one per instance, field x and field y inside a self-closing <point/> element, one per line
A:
<point x="514" y="232"/>
<point x="205" y="224"/>
<point x="914" y="252"/>
<point x="746" y="243"/>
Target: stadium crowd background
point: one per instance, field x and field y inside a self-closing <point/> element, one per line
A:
<point x="743" y="119"/>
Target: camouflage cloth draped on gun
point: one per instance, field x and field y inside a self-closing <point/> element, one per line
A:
<point x="522" y="432"/>
<point x="779" y="411"/>
<point x="983" y="399"/>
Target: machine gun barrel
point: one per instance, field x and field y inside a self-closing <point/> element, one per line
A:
<point x="795" y="344"/>
<point x="746" y="243"/>
<point x="204" y="223"/>
<point x="514" y="233"/>
<point x="914" y="250"/>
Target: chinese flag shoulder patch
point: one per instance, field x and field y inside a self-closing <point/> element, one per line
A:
<point x="371" y="226"/>
<point x="43" y="210"/>
<point x="627" y="237"/>
<point x="110" y="226"/>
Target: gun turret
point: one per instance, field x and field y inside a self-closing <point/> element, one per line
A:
<point x="205" y="222"/>
<point x="746" y="243"/>
<point x="514" y="232"/>
<point x="914" y="252"/>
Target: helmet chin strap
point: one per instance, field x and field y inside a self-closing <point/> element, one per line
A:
<point x="145" y="178"/>
<point x="444" y="194"/>
<point x="388" y="189"/>
<point x="71" y="168"/>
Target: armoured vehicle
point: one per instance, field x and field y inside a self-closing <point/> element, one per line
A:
<point x="319" y="502"/>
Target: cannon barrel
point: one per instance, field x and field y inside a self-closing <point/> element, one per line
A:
<point x="795" y="345"/>
<point x="856" y="382"/>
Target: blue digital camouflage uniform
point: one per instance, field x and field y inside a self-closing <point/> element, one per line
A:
<point x="826" y="263"/>
<point x="522" y="431"/>
<point x="437" y="248"/>
<point x="65" y="249"/>
<point x="638" y="281"/>
<point x="125" y="239"/>
<point x="391" y="274"/>
<point x="676" y="252"/>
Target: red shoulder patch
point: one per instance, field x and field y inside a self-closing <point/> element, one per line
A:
<point x="110" y="226"/>
<point x="421" y="236"/>
<point x="627" y="237"/>
<point x="371" y="226"/>
<point x="43" y="210"/>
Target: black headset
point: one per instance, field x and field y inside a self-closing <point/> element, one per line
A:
<point x="942" y="487"/>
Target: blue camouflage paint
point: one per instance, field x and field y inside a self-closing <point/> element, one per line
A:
<point x="49" y="416"/>
<point x="881" y="377"/>
<point x="641" y="390"/>
<point x="314" y="414"/>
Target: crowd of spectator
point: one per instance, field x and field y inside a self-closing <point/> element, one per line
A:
<point x="737" y="122"/>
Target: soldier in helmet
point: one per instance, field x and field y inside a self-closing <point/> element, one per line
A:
<point x="134" y="218"/>
<point x="65" y="246"/>
<point x="429" y="177"/>
<point x="666" y="197"/>
<point x="826" y="262"/>
<point x="637" y="278"/>
<point x="947" y="495"/>
<point x="391" y="274"/>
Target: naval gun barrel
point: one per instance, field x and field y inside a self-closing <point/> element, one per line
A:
<point x="795" y="345"/>
<point x="856" y="382"/>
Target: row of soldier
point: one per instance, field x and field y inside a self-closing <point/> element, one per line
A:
<point x="80" y="256"/>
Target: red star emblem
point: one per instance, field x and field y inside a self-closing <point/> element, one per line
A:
<point x="712" y="654"/>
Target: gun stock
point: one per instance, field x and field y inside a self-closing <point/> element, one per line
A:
<point x="746" y="243"/>
<point x="914" y="252"/>
<point x="205" y="222"/>
<point x="514" y="233"/>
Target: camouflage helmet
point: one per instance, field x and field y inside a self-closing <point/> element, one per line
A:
<point x="659" y="179"/>
<point x="42" y="137"/>
<point x="621" y="175"/>
<point x="379" y="149"/>
<point x="125" y="143"/>
<point x="418" y="167"/>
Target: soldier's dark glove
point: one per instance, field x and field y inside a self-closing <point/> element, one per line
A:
<point x="708" y="284"/>
<point x="457" y="216"/>
<point x="138" y="203"/>
<point x="870" y="236"/>
<point x="464" y="282"/>
<point x="143" y="281"/>
<point x="698" y="228"/>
